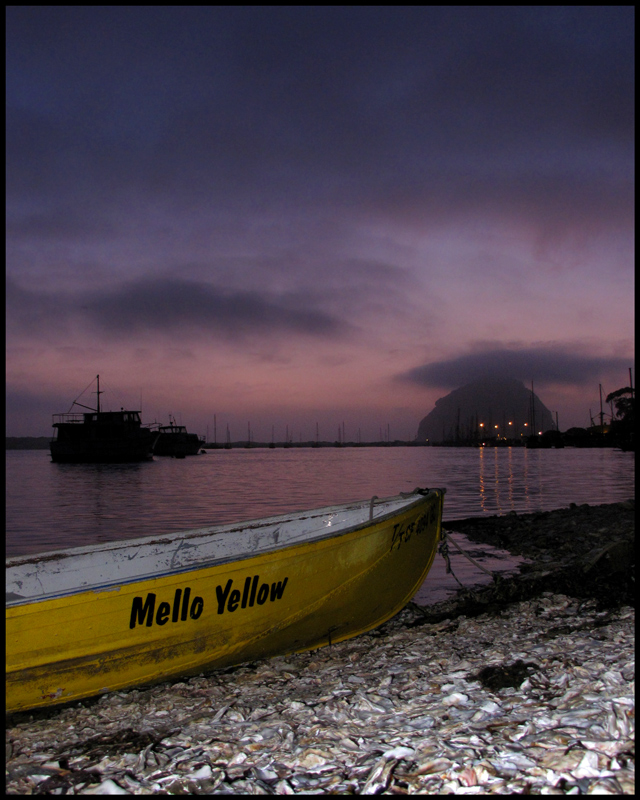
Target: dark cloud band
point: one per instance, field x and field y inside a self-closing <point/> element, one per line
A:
<point x="553" y="364"/>
<point x="161" y="305"/>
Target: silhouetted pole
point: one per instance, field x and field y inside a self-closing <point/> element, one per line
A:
<point x="533" y="410"/>
<point x="601" y="412"/>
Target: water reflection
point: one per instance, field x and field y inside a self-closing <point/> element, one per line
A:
<point x="98" y="497"/>
<point x="50" y="506"/>
<point x="498" y="486"/>
<point x="511" y="476"/>
<point x="483" y="488"/>
<point x="440" y="585"/>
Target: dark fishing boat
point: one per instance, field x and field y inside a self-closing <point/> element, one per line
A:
<point x="97" y="436"/>
<point x="175" y="441"/>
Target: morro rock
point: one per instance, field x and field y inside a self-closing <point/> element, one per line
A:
<point x="485" y="409"/>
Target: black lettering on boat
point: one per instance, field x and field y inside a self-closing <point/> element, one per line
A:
<point x="141" y="612"/>
<point x="234" y="600"/>
<point x="252" y="592"/>
<point x="277" y="589"/>
<point x="400" y="534"/>
<point x="245" y="593"/>
<point x="185" y="604"/>
<point x="422" y="523"/>
<point x="403" y="531"/>
<point x="222" y="595"/>
<point x="162" y="617"/>
<point x="196" y="607"/>
<point x="254" y="586"/>
<point x="176" y="605"/>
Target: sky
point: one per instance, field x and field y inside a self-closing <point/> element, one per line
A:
<point x="290" y="217"/>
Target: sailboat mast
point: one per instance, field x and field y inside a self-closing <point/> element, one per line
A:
<point x="601" y="413"/>
<point x="533" y="411"/>
<point x="98" y="392"/>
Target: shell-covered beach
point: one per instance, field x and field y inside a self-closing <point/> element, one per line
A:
<point x="519" y="688"/>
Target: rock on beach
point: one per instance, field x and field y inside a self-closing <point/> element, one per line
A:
<point x="527" y="694"/>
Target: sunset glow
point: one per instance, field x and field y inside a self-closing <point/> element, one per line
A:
<point x="290" y="216"/>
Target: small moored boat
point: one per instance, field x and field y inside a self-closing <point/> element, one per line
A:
<point x="88" y="620"/>
<point x="174" y="440"/>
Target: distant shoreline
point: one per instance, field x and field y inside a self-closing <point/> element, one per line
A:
<point x="42" y="443"/>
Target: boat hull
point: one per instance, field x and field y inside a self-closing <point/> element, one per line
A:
<point x="101" y="453"/>
<point x="296" y="598"/>
<point x="177" y="445"/>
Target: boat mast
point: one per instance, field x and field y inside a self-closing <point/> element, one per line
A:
<point x="601" y="412"/>
<point x="533" y="411"/>
<point x="98" y="392"/>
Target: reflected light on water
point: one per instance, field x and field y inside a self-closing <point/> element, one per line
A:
<point x="52" y="506"/>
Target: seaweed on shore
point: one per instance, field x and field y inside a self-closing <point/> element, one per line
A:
<point x="584" y="551"/>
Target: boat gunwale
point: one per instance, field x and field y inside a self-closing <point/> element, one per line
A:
<point x="419" y="497"/>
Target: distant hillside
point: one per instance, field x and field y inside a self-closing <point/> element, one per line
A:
<point x="27" y="442"/>
<point x="478" y="407"/>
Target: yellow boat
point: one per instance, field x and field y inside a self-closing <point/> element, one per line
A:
<point x="90" y="620"/>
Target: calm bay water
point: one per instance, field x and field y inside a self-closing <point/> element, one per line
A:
<point x="53" y="506"/>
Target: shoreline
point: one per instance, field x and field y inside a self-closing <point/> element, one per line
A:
<point x="504" y="693"/>
<point x="582" y="551"/>
<point x="42" y="443"/>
